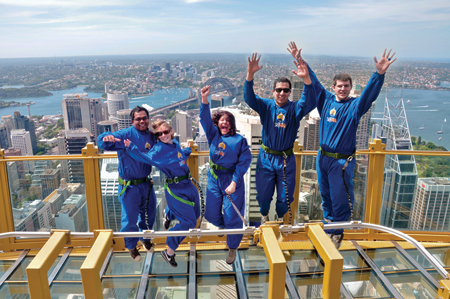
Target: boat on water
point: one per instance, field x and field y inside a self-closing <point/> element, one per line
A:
<point x="440" y="138"/>
<point x="426" y="106"/>
<point x="441" y="131"/>
<point x="408" y="102"/>
<point x="422" y="128"/>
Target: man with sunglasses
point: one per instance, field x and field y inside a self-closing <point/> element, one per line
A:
<point x="339" y="118"/>
<point x="136" y="193"/>
<point x="280" y="119"/>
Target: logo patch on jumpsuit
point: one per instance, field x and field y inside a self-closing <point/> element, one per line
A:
<point x="280" y="121"/>
<point x="332" y="117"/>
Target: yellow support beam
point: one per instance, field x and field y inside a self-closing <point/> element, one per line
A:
<point x="334" y="262"/>
<point x="90" y="269"/>
<point x="93" y="187"/>
<point x="6" y="221"/>
<point x="375" y="174"/>
<point x="192" y="161"/>
<point x="276" y="260"/>
<point x="444" y="289"/>
<point x="298" y="149"/>
<point x="38" y="268"/>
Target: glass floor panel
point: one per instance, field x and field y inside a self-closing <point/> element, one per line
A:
<point x="216" y="287"/>
<point x="300" y="261"/>
<point x="442" y="255"/>
<point x="4" y="266"/>
<point x="364" y="284"/>
<point x="412" y="285"/>
<point x="14" y="290"/>
<point x="253" y="259"/>
<point x="389" y="259"/>
<point x="257" y="286"/>
<point x="71" y="269"/>
<point x="309" y="286"/>
<point x="213" y="262"/>
<point x="60" y="290"/>
<point x="20" y="272"/>
<point x="161" y="267"/>
<point x="122" y="264"/>
<point x="120" y="288"/>
<point x="167" y="287"/>
<point x="353" y="260"/>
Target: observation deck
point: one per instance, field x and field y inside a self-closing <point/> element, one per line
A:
<point x="41" y="258"/>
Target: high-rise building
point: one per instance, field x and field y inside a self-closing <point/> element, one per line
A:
<point x="50" y="179"/>
<point x="73" y="214"/>
<point x="124" y="119"/>
<point x="182" y="125"/>
<point x="72" y="144"/>
<point x="167" y="66"/>
<point x="311" y="140"/>
<point x="5" y="140"/>
<point x="21" y="139"/>
<point x="400" y="172"/>
<point x="296" y="88"/>
<point x="105" y="111"/>
<point x="23" y="122"/>
<point x="110" y="184"/>
<point x="117" y="101"/>
<point x="431" y="208"/>
<point x="79" y="111"/>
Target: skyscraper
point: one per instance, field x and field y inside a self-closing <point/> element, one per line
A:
<point x="431" y="209"/>
<point x="117" y="101"/>
<point x="21" y="139"/>
<point x="107" y="126"/>
<point x="124" y="119"/>
<point x="296" y="88"/>
<point x="71" y="143"/>
<point x="79" y="111"/>
<point x="182" y="125"/>
<point x="110" y="184"/>
<point x="23" y="122"/>
<point x="5" y="140"/>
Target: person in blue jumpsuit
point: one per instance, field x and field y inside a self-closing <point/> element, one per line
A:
<point x="230" y="158"/>
<point x="280" y="119"/>
<point x="136" y="194"/>
<point x="181" y="195"/>
<point x="339" y="118"/>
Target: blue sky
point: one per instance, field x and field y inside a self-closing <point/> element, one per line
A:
<point x="46" y="28"/>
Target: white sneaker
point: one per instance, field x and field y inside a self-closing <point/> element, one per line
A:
<point x="264" y="219"/>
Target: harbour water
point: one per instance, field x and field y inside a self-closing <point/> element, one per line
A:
<point x="426" y="111"/>
<point x="51" y="105"/>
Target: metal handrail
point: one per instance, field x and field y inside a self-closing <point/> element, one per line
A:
<point x="359" y="224"/>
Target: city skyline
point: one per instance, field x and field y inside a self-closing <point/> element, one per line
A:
<point x="414" y="29"/>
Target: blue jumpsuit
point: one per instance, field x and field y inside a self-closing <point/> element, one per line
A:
<point x="231" y="152"/>
<point x="171" y="160"/>
<point x="337" y="134"/>
<point x="134" y="200"/>
<point x="280" y="126"/>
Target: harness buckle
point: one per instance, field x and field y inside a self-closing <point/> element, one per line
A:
<point x="175" y="180"/>
<point x="284" y="155"/>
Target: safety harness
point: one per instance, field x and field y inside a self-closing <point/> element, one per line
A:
<point x="126" y="183"/>
<point x="177" y="180"/>
<point x="284" y="154"/>
<point x="349" y="158"/>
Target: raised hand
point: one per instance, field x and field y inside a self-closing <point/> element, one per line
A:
<point x="253" y="63"/>
<point x="110" y="138"/>
<point x="383" y="64"/>
<point x="296" y="53"/>
<point x="205" y="91"/>
<point x="302" y="71"/>
<point x="127" y="142"/>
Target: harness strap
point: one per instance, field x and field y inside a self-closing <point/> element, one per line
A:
<point x="349" y="159"/>
<point x="288" y="152"/>
<point x="190" y="203"/>
<point x="131" y="183"/>
<point x="337" y="155"/>
<point x="177" y="179"/>
<point x="213" y="166"/>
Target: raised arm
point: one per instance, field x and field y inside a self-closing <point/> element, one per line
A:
<point x="205" y="93"/>
<point x="383" y="64"/>
<point x="253" y="66"/>
<point x="110" y="141"/>
<point x="146" y="158"/>
<point x="302" y="71"/>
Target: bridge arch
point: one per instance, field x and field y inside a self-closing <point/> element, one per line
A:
<point x="218" y="83"/>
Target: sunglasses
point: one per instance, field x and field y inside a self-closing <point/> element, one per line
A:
<point x="159" y="134"/>
<point x="138" y="119"/>
<point x="279" y="90"/>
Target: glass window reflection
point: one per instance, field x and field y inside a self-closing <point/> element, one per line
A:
<point x="160" y="266"/>
<point x="253" y="258"/>
<point x="118" y="288"/>
<point x="20" y="272"/>
<point x="212" y="261"/>
<point x="216" y="286"/>
<point x="167" y="287"/>
<point x="389" y="259"/>
<point x="71" y="269"/>
<point x="122" y="264"/>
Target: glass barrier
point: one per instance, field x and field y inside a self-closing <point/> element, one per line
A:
<point x="416" y="192"/>
<point x="48" y="194"/>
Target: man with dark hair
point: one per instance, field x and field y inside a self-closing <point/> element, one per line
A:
<point x="339" y="119"/>
<point x="280" y="119"/>
<point x="136" y="192"/>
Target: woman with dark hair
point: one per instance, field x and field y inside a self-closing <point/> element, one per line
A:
<point x="181" y="194"/>
<point x="230" y="159"/>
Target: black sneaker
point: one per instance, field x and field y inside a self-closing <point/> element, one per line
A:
<point x="169" y="259"/>
<point x="147" y="244"/>
<point x="337" y="240"/>
<point x="135" y="255"/>
<point x="166" y="222"/>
